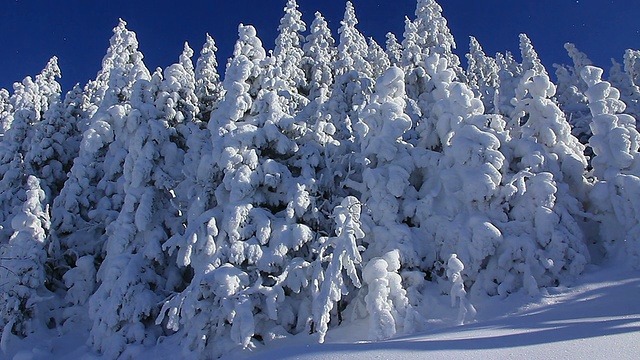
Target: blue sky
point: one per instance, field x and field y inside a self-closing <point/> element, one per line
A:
<point x="78" y="31"/>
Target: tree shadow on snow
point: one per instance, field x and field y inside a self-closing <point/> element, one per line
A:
<point x="610" y="309"/>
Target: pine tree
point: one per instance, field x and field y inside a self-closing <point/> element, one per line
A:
<point x="319" y="54"/>
<point x="389" y="196"/>
<point x="378" y="59"/>
<point x="208" y="86"/>
<point x="23" y="274"/>
<point x="30" y="100"/>
<point x="5" y="112"/>
<point x="55" y="144"/>
<point x="482" y="75"/>
<point x="289" y="76"/>
<point x="629" y="92"/>
<point x="177" y="98"/>
<point x="136" y="275"/>
<point x="201" y="246"/>
<point x="509" y="75"/>
<point x="353" y="78"/>
<point x="92" y="195"/>
<point x="393" y="49"/>
<point x="429" y="34"/>
<point x="536" y="115"/>
<point x="616" y="166"/>
<point x="570" y="95"/>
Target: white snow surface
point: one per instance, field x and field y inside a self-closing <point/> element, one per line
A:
<point x="598" y="317"/>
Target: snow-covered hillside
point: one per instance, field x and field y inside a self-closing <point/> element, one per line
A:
<point x="326" y="184"/>
<point x="596" y="318"/>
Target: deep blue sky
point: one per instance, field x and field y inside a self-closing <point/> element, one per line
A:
<point x="78" y="31"/>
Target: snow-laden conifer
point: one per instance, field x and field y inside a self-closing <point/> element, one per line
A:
<point x="389" y="198"/>
<point x="616" y="166"/>
<point x="378" y="58"/>
<point x="393" y="49"/>
<point x="91" y="197"/>
<point x="136" y="275"/>
<point x="5" y="112"/>
<point x="29" y="102"/>
<point x="319" y="54"/>
<point x="482" y="75"/>
<point x="338" y="256"/>
<point x="208" y="85"/>
<point x="289" y="54"/>
<point x="543" y="184"/>
<point x="55" y="144"/>
<point x="429" y="34"/>
<point x="537" y="116"/>
<point x="353" y="78"/>
<point x="570" y="94"/>
<point x="23" y="273"/>
<point x="509" y="74"/>
<point x="629" y="92"/>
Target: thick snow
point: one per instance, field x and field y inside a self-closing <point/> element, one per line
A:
<point x="323" y="192"/>
<point x="598" y="317"/>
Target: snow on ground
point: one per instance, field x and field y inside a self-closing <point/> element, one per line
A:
<point x="597" y="318"/>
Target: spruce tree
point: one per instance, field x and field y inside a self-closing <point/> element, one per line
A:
<point x="509" y="75"/>
<point x="570" y="95"/>
<point x="537" y="116"/>
<point x="482" y="75"/>
<point x="23" y="272"/>
<point x="388" y="195"/>
<point x="393" y="49"/>
<point x="288" y="53"/>
<point x="616" y="167"/>
<point x="319" y="54"/>
<point x="136" y="275"/>
<point x="5" y="112"/>
<point x="208" y="86"/>
<point x="353" y="79"/>
<point x="629" y="92"/>
<point x="92" y="195"/>
<point x="30" y="101"/>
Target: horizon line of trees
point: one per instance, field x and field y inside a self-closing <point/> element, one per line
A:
<point x="324" y="181"/>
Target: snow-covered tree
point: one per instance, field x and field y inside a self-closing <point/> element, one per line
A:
<point x="429" y="34"/>
<point x="136" y="275"/>
<point x="616" y="166"/>
<point x="341" y="254"/>
<point x="393" y="49"/>
<point x="319" y="54"/>
<point x="570" y="94"/>
<point x="458" y="292"/>
<point x="55" y="144"/>
<point x="482" y="75"/>
<point x="288" y="54"/>
<point x="29" y="102"/>
<point x="378" y="58"/>
<point x="629" y="91"/>
<point x="5" y="112"/>
<point x="92" y="196"/>
<point x="208" y="85"/>
<point x="23" y="274"/>
<point x="509" y="75"/>
<point x="390" y="198"/>
<point x="537" y="116"/>
<point x="316" y="184"/>
<point x="353" y="78"/>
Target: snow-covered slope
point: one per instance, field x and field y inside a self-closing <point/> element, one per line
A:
<point x="596" y="318"/>
<point x="599" y="318"/>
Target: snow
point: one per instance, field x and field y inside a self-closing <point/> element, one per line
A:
<point x="597" y="317"/>
<point x="384" y="202"/>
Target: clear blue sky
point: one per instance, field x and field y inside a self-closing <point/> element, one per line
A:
<point x="78" y="31"/>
